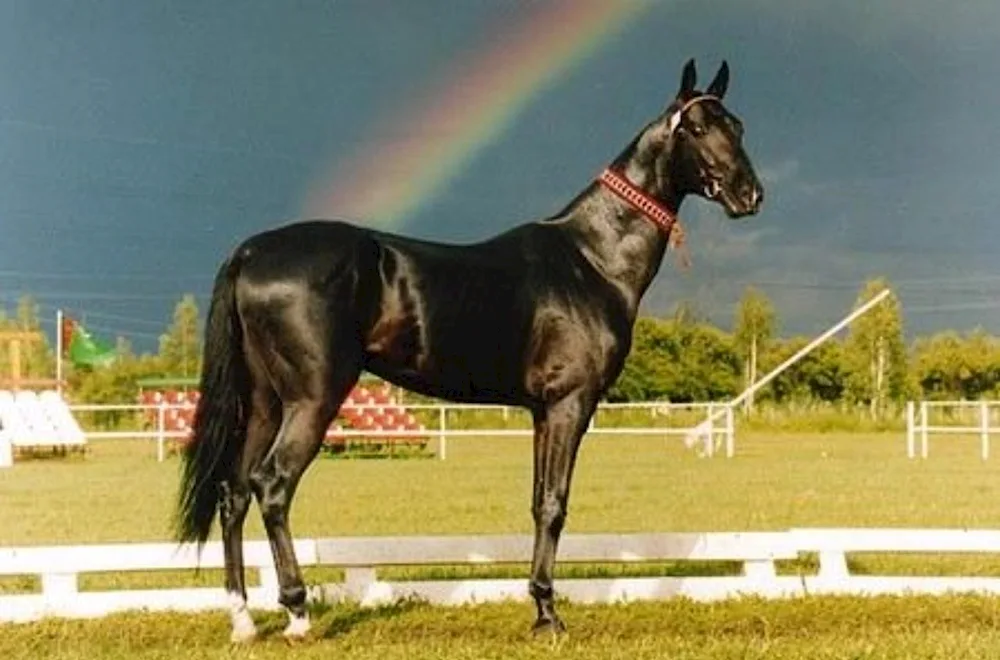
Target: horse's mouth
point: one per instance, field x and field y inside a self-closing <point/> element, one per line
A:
<point x="734" y="206"/>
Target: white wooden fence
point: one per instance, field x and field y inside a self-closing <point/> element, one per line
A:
<point x="59" y="569"/>
<point x="976" y="418"/>
<point x="717" y="430"/>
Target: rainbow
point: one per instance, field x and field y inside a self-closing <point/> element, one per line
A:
<point x="419" y="150"/>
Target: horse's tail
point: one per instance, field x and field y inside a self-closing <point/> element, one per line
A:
<point x="220" y="417"/>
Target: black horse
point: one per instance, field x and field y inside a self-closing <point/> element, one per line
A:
<point x="539" y="317"/>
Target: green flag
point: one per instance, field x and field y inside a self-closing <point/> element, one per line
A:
<point x="84" y="350"/>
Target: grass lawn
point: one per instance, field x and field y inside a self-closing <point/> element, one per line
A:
<point x="118" y="492"/>
<point x="945" y="628"/>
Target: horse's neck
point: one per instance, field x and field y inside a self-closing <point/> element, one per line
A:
<point x="626" y="247"/>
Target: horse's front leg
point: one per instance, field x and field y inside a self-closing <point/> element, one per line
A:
<point x="559" y="428"/>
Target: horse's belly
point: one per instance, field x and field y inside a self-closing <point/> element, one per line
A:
<point x="473" y="364"/>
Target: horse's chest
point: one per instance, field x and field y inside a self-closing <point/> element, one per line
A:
<point x="571" y="350"/>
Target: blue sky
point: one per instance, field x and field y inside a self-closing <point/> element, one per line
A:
<point x="140" y="141"/>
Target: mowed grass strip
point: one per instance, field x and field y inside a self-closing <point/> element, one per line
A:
<point x="828" y="627"/>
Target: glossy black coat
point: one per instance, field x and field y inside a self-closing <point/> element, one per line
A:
<point x="539" y="316"/>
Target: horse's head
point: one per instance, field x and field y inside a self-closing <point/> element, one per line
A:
<point x="702" y="147"/>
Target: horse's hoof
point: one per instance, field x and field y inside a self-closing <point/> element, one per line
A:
<point x="297" y="629"/>
<point x="243" y="628"/>
<point x="242" y="635"/>
<point x="553" y="626"/>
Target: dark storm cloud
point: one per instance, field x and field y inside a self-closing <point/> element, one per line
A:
<point x="140" y="141"/>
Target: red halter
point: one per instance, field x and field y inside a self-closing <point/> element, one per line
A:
<point x="643" y="203"/>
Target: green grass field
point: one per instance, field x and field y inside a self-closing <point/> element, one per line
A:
<point x="118" y="492"/>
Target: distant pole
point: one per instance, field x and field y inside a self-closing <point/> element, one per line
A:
<point x="59" y="351"/>
<point x="705" y="426"/>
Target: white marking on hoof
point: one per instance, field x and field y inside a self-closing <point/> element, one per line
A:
<point x="243" y="633"/>
<point x="243" y="626"/>
<point x="298" y="626"/>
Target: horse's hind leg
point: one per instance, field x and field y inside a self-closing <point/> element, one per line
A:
<point x="265" y="416"/>
<point x="303" y="427"/>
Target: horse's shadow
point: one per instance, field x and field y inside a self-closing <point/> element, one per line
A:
<point x="335" y="619"/>
<point x="347" y="616"/>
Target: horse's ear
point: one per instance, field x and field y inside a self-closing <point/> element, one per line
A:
<point x="688" y="78"/>
<point x="721" y="81"/>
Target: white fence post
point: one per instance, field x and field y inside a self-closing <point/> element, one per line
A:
<point x="759" y="569"/>
<point x="910" y="448"/>
<point x="958" y="418"/>
<point x="730" y="432"/>
<point x="833" y="565"/>
<point x="710" y="435"/>
<point x="358" y="581"/>
<point x="923" y="429"/>
<point x="442" y="439"/>
<point x="984" y="428"/>
<point x="6" y="451"/>
<point x="161" y="430"/>
<point x="59" y="588"/>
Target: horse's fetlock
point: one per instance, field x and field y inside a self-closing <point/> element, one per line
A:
<point x="294" y="598"/>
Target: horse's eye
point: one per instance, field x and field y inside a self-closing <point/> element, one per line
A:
<point x="697" y="131"/>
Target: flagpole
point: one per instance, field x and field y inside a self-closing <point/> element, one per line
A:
<point x="59" y="350"/>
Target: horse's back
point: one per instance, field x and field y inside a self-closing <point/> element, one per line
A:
<point x="448" y="320"/>
<point x="453" y="318"/>
<point x="301" y="249"/>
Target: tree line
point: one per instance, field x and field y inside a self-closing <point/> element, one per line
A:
<point x="680" y="358"/>
<point x="871" y="365"/>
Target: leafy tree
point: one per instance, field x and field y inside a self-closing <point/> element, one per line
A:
<point x="687" y="312"/>
<point x="124" y="348"/>
<point x="37" y="358"/>
<point x="819" y="376"/>
<point x="947" y="366"/>
<point x="754" y="326"/>
<point x="708" y="365"/>
<point x="875" y="351"/>
<point x="180" y="347"/>
<point x="677" y="360"/>
<point x="648" y="365"/>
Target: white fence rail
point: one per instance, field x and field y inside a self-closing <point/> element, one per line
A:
<point x="59" y="569"/>
<point x="717" y="430"/>
<point x="977" y="418"/>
